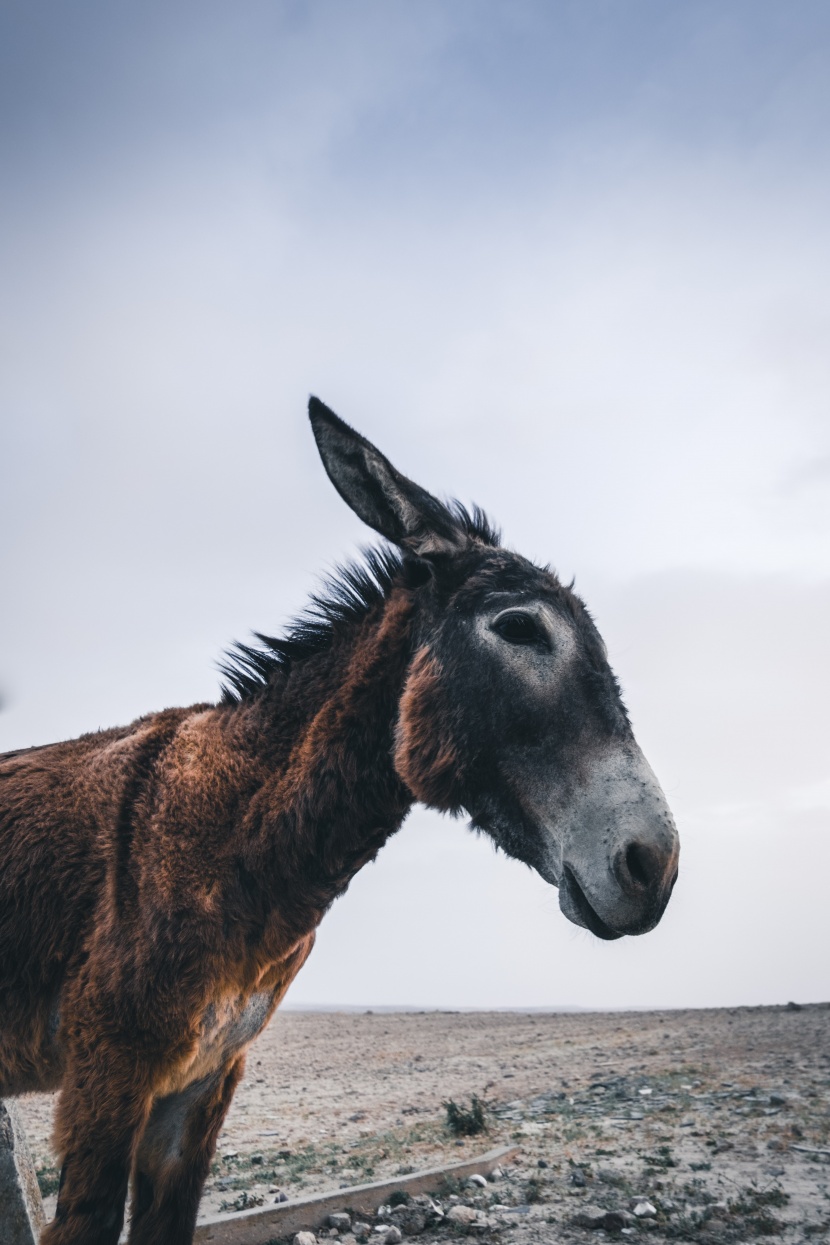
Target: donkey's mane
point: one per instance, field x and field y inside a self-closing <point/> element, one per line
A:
<point x="347" y="596"/>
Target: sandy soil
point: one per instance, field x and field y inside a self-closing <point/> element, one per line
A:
<point x="718" y="1119"/>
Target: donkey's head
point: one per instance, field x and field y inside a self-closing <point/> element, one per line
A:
<point x="510" y="709"/>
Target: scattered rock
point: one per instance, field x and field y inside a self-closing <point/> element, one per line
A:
<point x="484" y="1224"/>
<point x="305" y="1238"/>
<point x="340" y="1220"/>
<point x="481" y="1181"/>
<point x="393" y="1236"/>
<point x="463" y="1216"/>
<point x="410" y="1219"/>
<point x="256" y="1160"/>
<point x="595" y="1217"/>
<point x="644" y="1210"/>
<point x="611" y="1177"/>
<point x="230" y="1154"/>
<point x="542" y="1163"/>
<point x="496" y="1174"/>
<point x="578" y="1177"/>
<point x="362" y="1231"/>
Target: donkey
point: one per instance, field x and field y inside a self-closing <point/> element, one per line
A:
<point x="161" y="883"/>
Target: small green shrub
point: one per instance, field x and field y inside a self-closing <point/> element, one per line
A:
<point x="465" y="1122"/>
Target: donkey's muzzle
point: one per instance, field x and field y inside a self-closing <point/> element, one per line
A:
<point x="646" y="874"/>
<point x="619" y="847"/>
<point x="644" y="869"/>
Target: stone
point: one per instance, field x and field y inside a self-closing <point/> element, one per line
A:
<point x="305" y="1238"/>
<point x="230" y="1154"/>
<point x="483" y="1224"/>
<point x="496" y="1174"/>
<point x="21" y="1206"/>
<point x="362" y="1231"/>
<point x="644" y="1210"/>
<point x="410" y="1219"/>
<point x="615" y="1221"/>
<point x="340" y="1220"/>
<point x="476" y="1179"/>
<point x="394" y="1236"/>
<point x="595" y="1217"/>
<point x="256" y="1160"/>
<point x="578" y="1177"/>
<point x="462" y="1216"/>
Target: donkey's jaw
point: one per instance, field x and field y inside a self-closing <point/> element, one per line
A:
<point x="576" y="907"/>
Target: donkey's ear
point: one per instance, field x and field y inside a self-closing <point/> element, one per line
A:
<point x="401" y="511"/>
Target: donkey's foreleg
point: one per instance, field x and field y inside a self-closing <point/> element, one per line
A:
<point x="174" y="1158"/>
<point x="101" y="1113"/>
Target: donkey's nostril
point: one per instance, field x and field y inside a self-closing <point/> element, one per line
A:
<point x="642" y="866"/>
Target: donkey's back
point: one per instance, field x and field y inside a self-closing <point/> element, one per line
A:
<point x="65" y="817"/>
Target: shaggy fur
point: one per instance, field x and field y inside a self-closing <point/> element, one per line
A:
<point x="161" y="883"/>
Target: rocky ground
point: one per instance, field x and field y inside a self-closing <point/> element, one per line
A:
<point x="707" y="1126"/>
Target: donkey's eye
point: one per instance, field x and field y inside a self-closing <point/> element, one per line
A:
<point x="519" y="629"/>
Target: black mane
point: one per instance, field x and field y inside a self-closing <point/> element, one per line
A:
<point x="347" y="596"/>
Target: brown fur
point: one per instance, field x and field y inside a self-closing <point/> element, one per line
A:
<point x="425" y="756"/>
<point x="157" y="879"/>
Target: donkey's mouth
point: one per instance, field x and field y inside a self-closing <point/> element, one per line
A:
<point x="575" y="905"/>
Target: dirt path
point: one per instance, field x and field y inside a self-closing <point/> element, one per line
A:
<point x="708" y="1116"/>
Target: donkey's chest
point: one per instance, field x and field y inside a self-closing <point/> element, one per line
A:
<point x="227" y="1025"/>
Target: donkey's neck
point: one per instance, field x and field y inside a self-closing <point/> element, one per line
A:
<point x="333" y="796"/>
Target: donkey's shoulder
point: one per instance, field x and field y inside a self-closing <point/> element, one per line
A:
<point x="98" y="743"/>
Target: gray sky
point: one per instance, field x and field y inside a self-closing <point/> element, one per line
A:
<point x="569" y="260"/>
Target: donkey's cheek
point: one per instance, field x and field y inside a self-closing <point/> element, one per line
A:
<point x="425" y="757"/>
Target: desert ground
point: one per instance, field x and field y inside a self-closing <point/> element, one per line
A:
<point x="701" y="1126"/>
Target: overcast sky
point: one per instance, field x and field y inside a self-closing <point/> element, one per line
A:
<point x="570" y="260"/>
